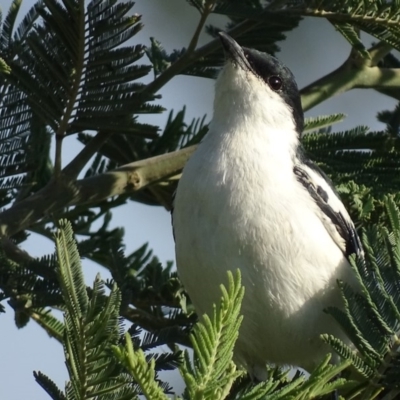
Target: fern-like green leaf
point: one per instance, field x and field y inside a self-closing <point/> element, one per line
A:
<point x="17" y="122"/>
<point x="7" y="28"/>
<point x="53" y="326"/>
<point x="70" y="272"/>
<point x="213" y="339"/>
<point x="378" y="18"/>
<point x="74" y="70"/>
<point x="49" y="386"/>
<point x="348" y="354"/>
<point x="322" y="121"/>
<point x="262" y="36"/>
<point x="372" y="318"/>
<point x="350" y="34"/>
<point x="4" y="67"/>
<point x="367" y="158"/>
<point x="91" y="327"/>
<point x="323" y="380"/>
<point x="142" y="371"/>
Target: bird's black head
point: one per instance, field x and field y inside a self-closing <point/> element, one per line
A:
<point x="270" y="71"/>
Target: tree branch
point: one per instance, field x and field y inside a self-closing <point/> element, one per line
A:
<point x="204" y="15"/>
<point x="354" y="74"/>
<point x="378" y="52"/>
<point x="58" y="155"/>
<point x="13" y="252"/>
<point x="190" y="57"/>
<point x="65" y="192"/>
<point x="60" y="193"/>
<point x="344" y="79"/>
<point x="138" y="175"/>
<point x="73" y="169"/>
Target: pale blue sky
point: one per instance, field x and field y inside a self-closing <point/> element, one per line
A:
<point x="311" y="51"/>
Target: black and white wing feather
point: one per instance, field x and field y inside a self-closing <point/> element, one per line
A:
<point x="333" y="213"/>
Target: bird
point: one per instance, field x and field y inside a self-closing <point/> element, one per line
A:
<point x="249" y="198"/>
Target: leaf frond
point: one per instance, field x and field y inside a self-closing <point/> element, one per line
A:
<point x="143" y="371"/>
<point x="213" y="340"/>
<point x="372" y="318"/>
<point x="322" y="121"/>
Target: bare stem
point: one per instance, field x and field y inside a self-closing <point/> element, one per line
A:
<point x="73" y="169"/>
<point x="353" y="74"/>
<point x="64" y="192"/>
<point x="58" y="155"/>
<point x="385" y="80"/>
<point x="378" y="51"/>
<point x="204" y="15"/>
<point x="190" y="57"/>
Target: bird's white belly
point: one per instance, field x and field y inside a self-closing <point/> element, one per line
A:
<point x="229" y="215"/>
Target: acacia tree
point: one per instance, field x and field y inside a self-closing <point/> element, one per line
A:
<point x="67" y="70"/>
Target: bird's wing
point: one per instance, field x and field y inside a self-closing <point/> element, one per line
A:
<point x="334" y="215"/>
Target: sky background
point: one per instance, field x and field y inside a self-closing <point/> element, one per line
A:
<point x="311" y="51"/>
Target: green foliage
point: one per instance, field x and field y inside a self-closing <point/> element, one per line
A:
<point x="91" y="325"/>
<point x="4" y="68"/>
<point x="176" y="134"/>
<point x="378" y="18"/>
<point x="213" y="372"/>
<point x="321" y="122"/>
<point x="367" y="158"/>
<point x="67" y="80"/>
<point x="103" y="364"/>
<point x="364" y="165"/>
<point x="142" y="371"/>
<point x="65" y="65"/>
<point x="53" y="326"/>
<point x="15" y="113"/>
<point x="371" y="317"/>
<point x="68" y="68"/>
<point x="262" y="36"/>
<point x="352" y="36"/>
<point x="92" y="328"/>
<point x="152" y="296"/>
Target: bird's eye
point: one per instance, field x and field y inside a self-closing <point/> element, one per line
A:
<point x="275" y="82"/>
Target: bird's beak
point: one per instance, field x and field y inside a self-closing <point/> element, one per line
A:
<point x="234" y="52"/>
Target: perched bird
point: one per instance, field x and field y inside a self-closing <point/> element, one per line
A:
<point x="249" y="198"/>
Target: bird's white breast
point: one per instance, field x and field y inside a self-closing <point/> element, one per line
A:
<point x="238" y="205"/>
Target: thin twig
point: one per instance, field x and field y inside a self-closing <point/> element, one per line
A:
<point x="204" y="15"/>
<point x="73" y="169"/>
<point x="378" y="52"/>
<point x="189" y="58"/>
<point x="58" y="154"/>
<point x="13" y="252"/>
